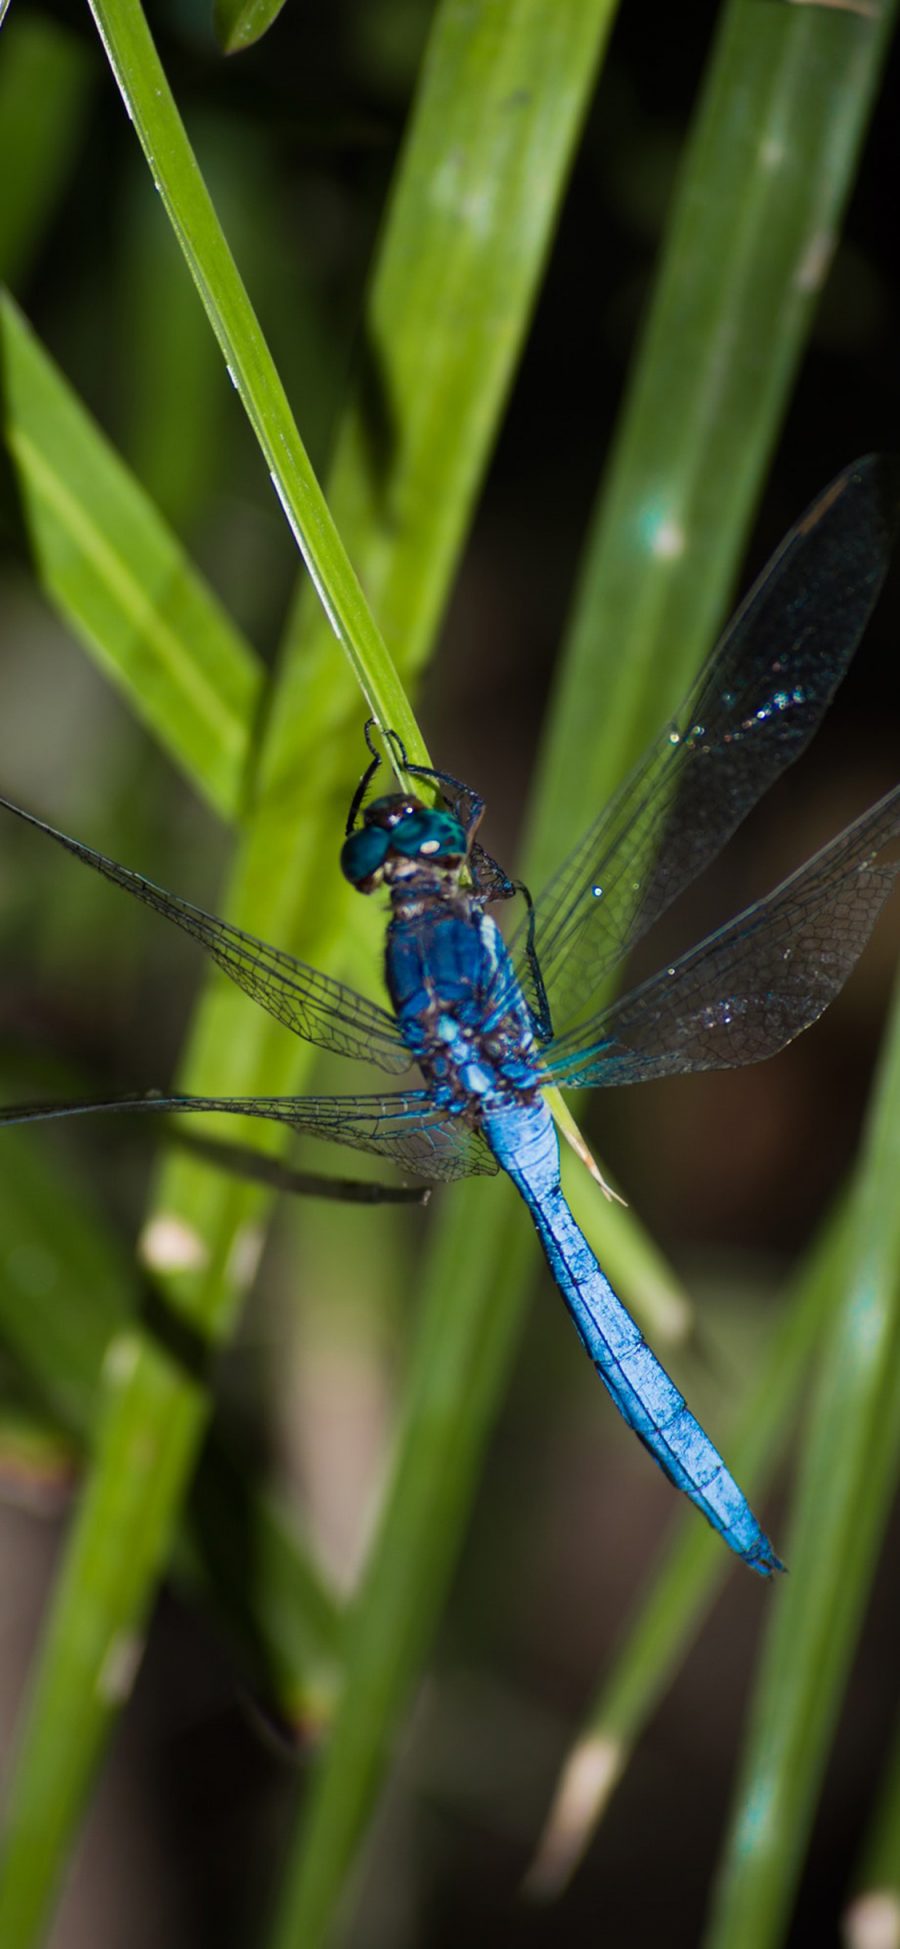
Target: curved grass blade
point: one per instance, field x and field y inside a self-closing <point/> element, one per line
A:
<point x="238" y="23"/>
<point x="151" y="107"/>
<point x="847" y="1478"/>
<point x="118" y="578"/>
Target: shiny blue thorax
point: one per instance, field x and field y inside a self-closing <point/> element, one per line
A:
<point x="458" y="1002"/>
<point x="461" y="1011"/>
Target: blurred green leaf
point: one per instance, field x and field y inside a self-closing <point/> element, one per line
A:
<point x="680" y="1589"/>
<point x="767" y="171"/>
<point x="631" y="1260"/>
<point x="37" y="1462"/>
<point x="93" y="1624"/>
<point x="238" y="23"/>
<point x="151" y="107"/>
<point x="170" y="359"/>
<point x="874" y="1913"/>
<point x="118" y="578"/>
<point x="244" y="1551"/>
<point x="469" y="224"/>
<point x="42" y="63"/>
<point x="847" y="1479"/>
<point x="451" y="1398"/>
<point x="66" y="1291"/>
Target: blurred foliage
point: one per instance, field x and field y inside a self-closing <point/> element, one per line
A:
<point x="397" y="183"/>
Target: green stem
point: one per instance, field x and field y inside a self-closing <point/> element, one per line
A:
<point x="148" y="98"/>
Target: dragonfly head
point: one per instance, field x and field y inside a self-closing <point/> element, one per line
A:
<point x="398" y="832"/>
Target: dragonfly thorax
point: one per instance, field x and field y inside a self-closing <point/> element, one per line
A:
<point x="398" y="837"/>
<point x="455" y="994"/>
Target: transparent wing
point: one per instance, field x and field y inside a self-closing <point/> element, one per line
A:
<point x="256" y="1167"/>
<point x="751" y="712"/>
<point x="403" y="1126"/>
<point x="311" y="1004"/>
<point x="752" y="986"/>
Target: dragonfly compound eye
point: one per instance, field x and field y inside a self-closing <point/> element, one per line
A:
<point x="389" y="810"/>
<point x="363" y="855"/>
<point x="429" y="835"/>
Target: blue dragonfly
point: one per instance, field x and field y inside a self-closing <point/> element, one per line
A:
<point x="491" y="1026"/>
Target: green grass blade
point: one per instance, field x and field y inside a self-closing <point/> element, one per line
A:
<point x="171" y="358"/>
<point x="631" y="1259"/>
<point x="768" y="168"/>
<point x="780" y="71"/>
<point x="470" y="220"/>
<point x="238" y="23"/>
<point x="99" y="1603"/>
<point x="151" y="107"/>
<point x="848" y="1476"/>
<point x="118" y="578"/>
<point x="41" y="63"/>
<point x="66" y="1292"/>
<point x="682" y="1586"/>
<point x="240" y="1549"/>
<point x="65" y="1289"/>
<point x="451" y="1400"/>
<point x="874" y="1913"/>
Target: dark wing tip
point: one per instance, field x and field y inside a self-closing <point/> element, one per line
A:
<point x="877" y="477"/>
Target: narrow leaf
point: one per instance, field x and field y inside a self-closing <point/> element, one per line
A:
<point x="669" y="1612"/>
<point x="238" y="23"/>
<point x="118" y="578"/>
<point x="847" y="1479"/>
<point x="44" y="63"/>
<point x="66" y="1293"/>
<point x="148" y="98"/>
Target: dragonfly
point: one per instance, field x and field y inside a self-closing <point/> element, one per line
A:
<point x="491" y="1026"/>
